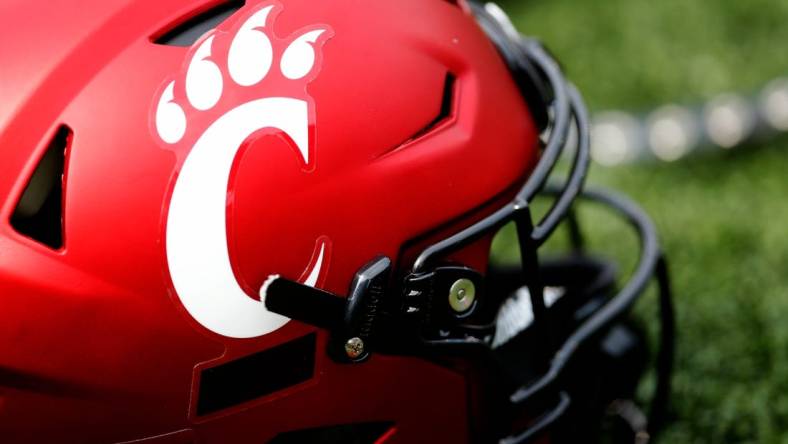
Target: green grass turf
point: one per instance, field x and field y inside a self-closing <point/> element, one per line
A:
<point x="721" y="215"/>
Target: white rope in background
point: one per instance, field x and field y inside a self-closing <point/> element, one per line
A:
<point x="673" y="131"/>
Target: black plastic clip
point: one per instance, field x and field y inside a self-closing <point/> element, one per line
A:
<point x="351" y="320"/>
<point x="442" y="302"/>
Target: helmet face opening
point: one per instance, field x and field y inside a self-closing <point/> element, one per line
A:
<point x="271" y="221"/>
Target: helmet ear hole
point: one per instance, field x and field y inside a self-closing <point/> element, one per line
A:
<point x="38" y="214"/>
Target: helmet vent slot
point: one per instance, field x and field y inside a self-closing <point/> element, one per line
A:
<point x="445" y="112"/>
<point x="185" y="33"/>
<point x="39" y="212"/>
<point x="447" y="105"/>
<point x="256" y="375"/>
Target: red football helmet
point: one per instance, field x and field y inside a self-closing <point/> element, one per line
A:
<point x="270" y="221"/>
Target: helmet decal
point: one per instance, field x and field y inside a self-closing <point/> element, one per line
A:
<point x="209" y="109"/>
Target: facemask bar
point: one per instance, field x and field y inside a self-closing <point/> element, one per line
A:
<point x="651" y="264"/>
<point x="566" y="108"/>
<point x="358" y="319"/>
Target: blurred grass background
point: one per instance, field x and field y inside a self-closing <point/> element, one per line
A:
<point x="721" y="215"/>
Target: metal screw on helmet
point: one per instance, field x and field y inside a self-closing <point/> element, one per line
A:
<point x="461" y="295"/>
<point x="354" y="347"/>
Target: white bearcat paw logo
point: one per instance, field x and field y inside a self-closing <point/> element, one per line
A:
<point x="234" y="83"/>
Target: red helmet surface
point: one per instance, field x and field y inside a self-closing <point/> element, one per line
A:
<point x="335" y="131"/>
<point x="166" y="165"/>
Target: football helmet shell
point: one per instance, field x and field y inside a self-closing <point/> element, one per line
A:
<point x="195" y="182"/>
